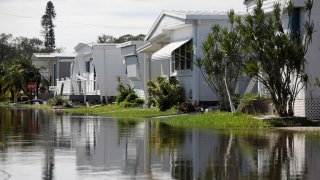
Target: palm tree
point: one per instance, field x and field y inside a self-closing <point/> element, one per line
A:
<point x="13" y="81"/>
<point x="30" y="74"/>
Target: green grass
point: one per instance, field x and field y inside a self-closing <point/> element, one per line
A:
<point x="109" y="111"/>
<point x="117" y="111"/>
<point x="44" y="107"/>
<point x="216" y="120"/>
<point x="228" y="120"/>
<point x="4" y="101"/>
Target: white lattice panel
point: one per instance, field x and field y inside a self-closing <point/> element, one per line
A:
<point x="313" y="109"/>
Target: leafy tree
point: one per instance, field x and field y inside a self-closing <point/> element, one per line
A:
<point x="18" y="47"/>
<point x="15" y="77"/>
<point x="275" y="57"/>
<point x="48" y="27"/>
<point x="111" y="39"/>
<point x="106" y="39"/>
<point x="2" y="74"/>
<point x="7" y="48"/>
<point x="222" y="63"/>
<point x="25" y="47"/>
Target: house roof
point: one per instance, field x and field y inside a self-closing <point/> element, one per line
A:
<point x="130" y="43"/>
<point x="80" y="45"/>
<point x="53" y="55"/>
<point x="187" y="15"/>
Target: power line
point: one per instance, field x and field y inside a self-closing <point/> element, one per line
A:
<point x="75" y="23"/>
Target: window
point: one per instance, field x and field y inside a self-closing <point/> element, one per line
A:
<point x="88" y="66"/>
<point x="295" y="22"/>
<point x="182" y="57"/>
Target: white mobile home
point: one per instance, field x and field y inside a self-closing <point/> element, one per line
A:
<point x="134" y="64"/>
<point x="167" y="50"/>
<point x="95" y="70"/>
<point x="308" y="101"/>
<point x="53" y="65"/>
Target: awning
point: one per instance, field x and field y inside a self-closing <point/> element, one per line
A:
<point x="165" y="52"/>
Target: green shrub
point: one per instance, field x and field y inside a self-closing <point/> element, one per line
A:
<point x="123" y="91"/>
<point x="252" y="96"/>
<point x="165" y="93"/>
<point x="186" y="107"/>
<point x="131" y="97"/>
<point x="139" y="101"/>
<point x="128" y="104"/>
<point x="151" y="102"/>
<point x="59" y="101"/>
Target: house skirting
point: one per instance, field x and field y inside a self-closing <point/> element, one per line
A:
<point x="313" y="109"/>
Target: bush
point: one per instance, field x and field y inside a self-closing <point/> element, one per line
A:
<point x="59" y="101"/>
<point x="123" y="91"/>
<point x="128" y="104"/>
<point x="131" y="97"/>
<point x="165" y="93"/>
<point x="139" y="101"/>
<point x="127" y="97"/>
<point x="186" y="107"/>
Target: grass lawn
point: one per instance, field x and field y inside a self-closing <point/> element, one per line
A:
<point x="109" y="111"/>
<point x="117" y="111"/>
<point x="206" y="121"/>
<point x="4" y="101"/>
<point x="228" y="120"/>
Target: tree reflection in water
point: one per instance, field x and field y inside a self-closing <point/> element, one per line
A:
<point x="152" y="150"/>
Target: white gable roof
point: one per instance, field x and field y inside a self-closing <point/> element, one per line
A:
<point x="181" y="17"/>
<point x="53" y="55"/>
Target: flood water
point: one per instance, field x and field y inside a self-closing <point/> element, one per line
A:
<point x="36" y="144"/>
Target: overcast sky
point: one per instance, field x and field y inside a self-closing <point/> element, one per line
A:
<point x="83" y="20"/>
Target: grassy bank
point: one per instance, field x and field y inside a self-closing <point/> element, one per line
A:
<point x="208" y="120"/>
<point x="4" y="101"/>
<point x="117" y="111"/>
<point x="228" y="120"/>
<point x="108" y="110"/>
<point x="215" y="120"/>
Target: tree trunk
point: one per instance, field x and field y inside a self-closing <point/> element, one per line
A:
<point x="233" y="110"/>
<point x="291" y="108"/>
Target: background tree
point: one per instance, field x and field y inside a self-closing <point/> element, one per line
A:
<point x="48" y="27"/>
<point x="16" y="76"/>
<point x="12" y="48"/>
<point x="222" y="63"/>
<point x="275" y="57"/>
<point x="106" y="39"/>
<point x="16" y="68"/>
<point x="7" y="48"/>
<point x="2" y="73"/>
<point x="111" y="39"/>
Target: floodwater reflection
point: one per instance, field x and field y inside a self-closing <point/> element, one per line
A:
<point x="37" y="144"/>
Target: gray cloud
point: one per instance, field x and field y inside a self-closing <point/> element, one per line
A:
<point x="107" y="13"/>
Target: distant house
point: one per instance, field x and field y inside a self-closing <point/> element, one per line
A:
<point x="134" y="66"/>
<point x="53" y="65"/>
<point x="308" y="101"/>
<point x="94" y="71"/>
<point x="168" y="50"/>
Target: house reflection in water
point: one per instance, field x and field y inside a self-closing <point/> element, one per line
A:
<point x="93" y="147"/>
<point x="150" y="149"/>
